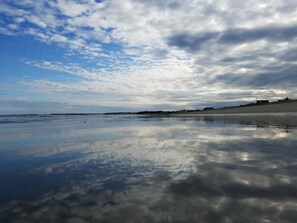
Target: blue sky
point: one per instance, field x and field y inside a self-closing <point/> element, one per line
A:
<point x="99" y="56"/>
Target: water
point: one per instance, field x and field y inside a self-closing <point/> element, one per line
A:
<point x="140" y="169"/>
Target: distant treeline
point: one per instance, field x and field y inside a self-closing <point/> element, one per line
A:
<point x="148" y="112"/>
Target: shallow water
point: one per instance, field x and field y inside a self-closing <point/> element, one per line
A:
<point x="139" y="169"/>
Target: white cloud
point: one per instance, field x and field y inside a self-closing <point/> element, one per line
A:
<point x="69" y="8"/>
<point x="37" y="21"/>
<point x="6" y="31"/>
<point x="19" y="20"/>
<point x="13" y="26"/>
<point x="58" y="38"/>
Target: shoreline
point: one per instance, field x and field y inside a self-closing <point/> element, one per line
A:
<point x="275" y="107"/>
<point x="281" y="114"/>
<point x="261" y="120"/>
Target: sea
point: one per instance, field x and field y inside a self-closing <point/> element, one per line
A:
<point x="141" y="168"/>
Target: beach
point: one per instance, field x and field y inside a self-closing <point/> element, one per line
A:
<point x="282" y="114"/>
<point x="289" y="106"/>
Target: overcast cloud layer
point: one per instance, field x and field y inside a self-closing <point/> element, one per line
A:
<point x="150" y="54"/>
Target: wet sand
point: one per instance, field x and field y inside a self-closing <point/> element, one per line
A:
<point x="260" y="120"/>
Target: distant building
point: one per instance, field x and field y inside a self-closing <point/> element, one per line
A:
<point x="262" y="101"/>
<point x="285" y="99"/>
<point x="208" y="108"/>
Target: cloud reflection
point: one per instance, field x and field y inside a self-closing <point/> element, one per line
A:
<point x="177" y="170"/>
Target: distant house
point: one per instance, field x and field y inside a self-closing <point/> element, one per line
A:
<point x="208" y="108"/>
<point x="285" y="99"/>
<point x="262" y="101"/>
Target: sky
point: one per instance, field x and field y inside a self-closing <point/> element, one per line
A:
<point x="113" y="55"/>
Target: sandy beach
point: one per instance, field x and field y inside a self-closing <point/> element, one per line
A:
<point x="290" y="106"/>
<point x="282" y="114"/>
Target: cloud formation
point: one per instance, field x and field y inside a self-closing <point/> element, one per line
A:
<point x="193" y="42"/>
<point x="164" y="51"/>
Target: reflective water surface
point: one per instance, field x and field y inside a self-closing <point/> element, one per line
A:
<point x="139" y="169"/>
